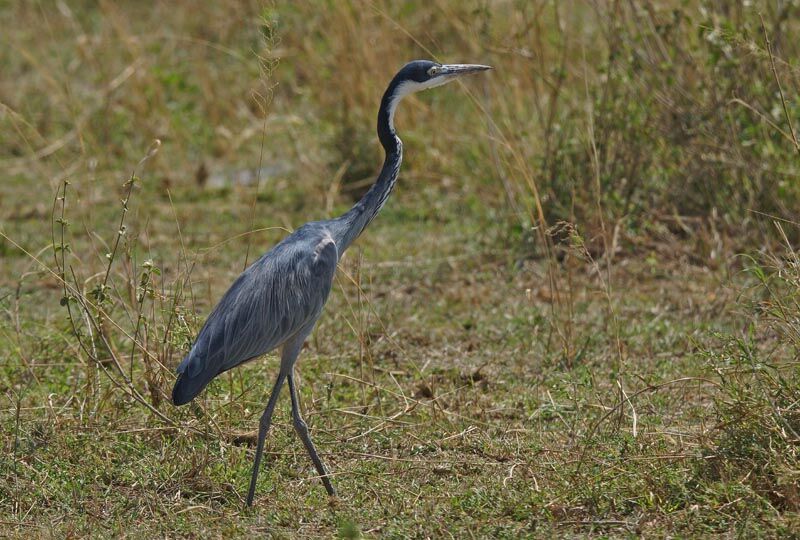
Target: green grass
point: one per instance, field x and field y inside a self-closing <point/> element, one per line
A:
<point x="615" y="370"/>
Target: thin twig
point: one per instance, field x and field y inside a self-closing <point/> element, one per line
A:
<point x="780" y="88"/>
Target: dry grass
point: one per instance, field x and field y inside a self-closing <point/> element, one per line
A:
<point x="548" y="331"/>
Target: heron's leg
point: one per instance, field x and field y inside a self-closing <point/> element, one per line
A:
<point x="263" y="427"/>
<point x="302" y="430"/>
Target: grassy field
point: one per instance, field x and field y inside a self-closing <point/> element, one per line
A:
<point x="578" y="315"/>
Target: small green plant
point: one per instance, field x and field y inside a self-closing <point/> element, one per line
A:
<point x="96" y="304"/>
<point x="756" y="438"/>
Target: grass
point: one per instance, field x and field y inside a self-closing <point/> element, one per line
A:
<point x="577" y="315"/>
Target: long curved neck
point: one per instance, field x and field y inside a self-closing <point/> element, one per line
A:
<point x="350" y="225"/>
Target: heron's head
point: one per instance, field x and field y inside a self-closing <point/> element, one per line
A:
<point x="423" y="74"/>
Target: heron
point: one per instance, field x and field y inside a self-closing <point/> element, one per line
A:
<point x="277" y="300"/>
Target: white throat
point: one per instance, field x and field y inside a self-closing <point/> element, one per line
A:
<point x="410" y="87"/>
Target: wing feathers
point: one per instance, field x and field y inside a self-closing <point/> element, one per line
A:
<point x="277" y="296"/>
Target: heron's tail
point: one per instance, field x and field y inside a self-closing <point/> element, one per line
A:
<point x="186" y="388"/>
<point x="190" y="381"/>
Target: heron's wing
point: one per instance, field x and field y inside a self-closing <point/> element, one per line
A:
<point x="265" y="317"/>
<point x="275" y="298"/>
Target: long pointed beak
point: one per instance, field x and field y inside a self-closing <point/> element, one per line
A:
<point x="456" y="70"/>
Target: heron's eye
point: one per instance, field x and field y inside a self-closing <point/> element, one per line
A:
<point x="434" y="71"/>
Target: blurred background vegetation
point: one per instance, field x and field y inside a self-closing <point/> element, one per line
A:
<point x="614" y="207"/>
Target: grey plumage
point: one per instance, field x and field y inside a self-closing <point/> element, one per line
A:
<point x="276" y="302"/>
<point x="278" y="295"/>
